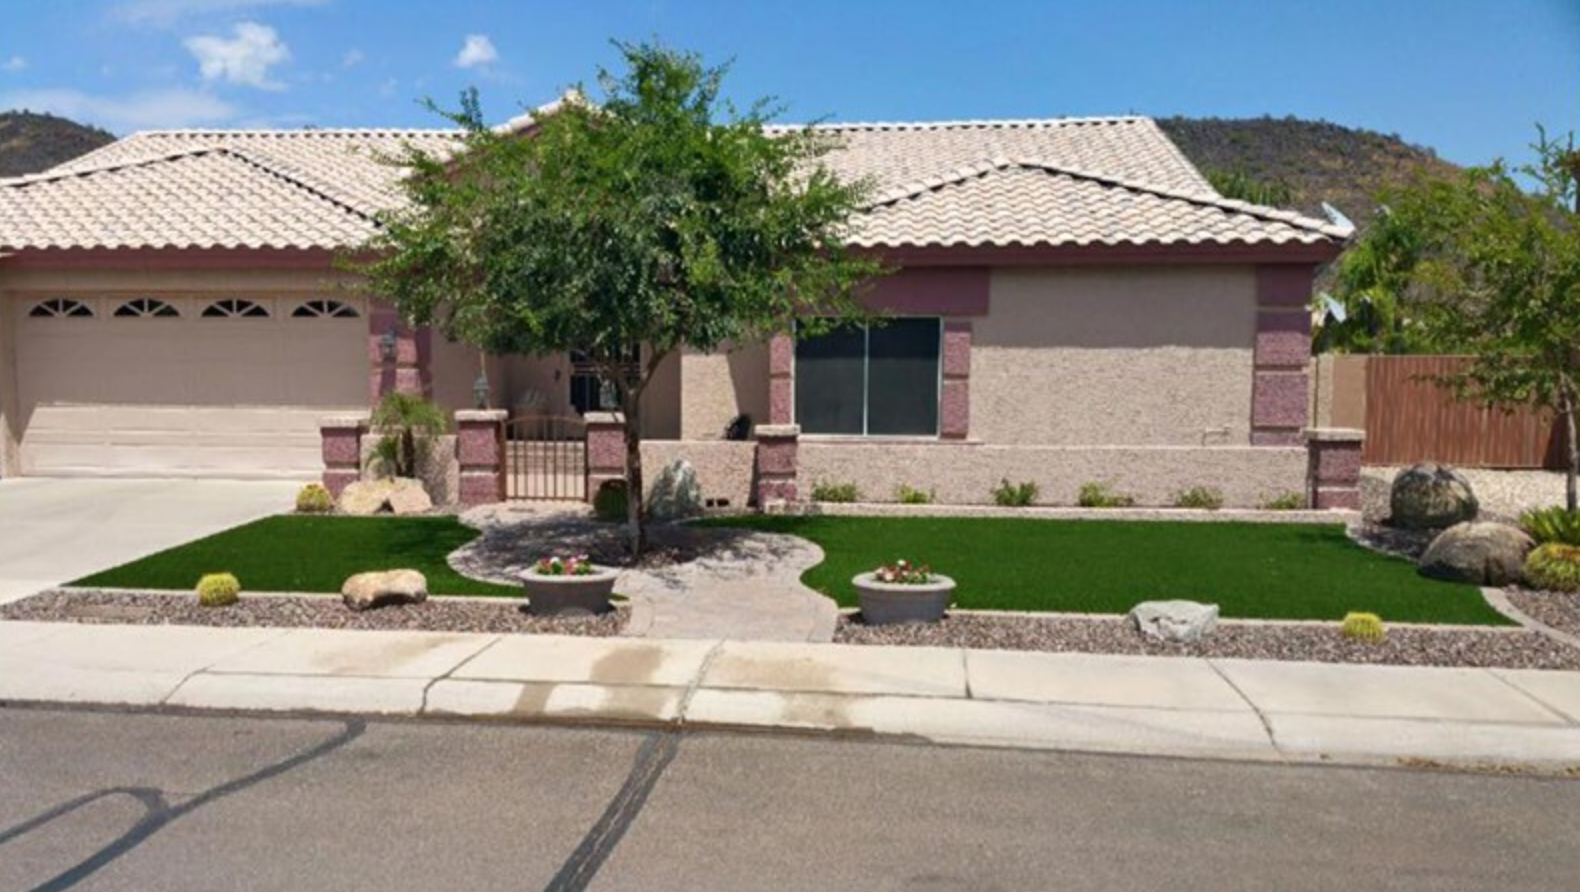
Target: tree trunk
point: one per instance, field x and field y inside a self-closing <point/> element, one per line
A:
<point x="1566" y="407"/>
<point x="636" y="523"/>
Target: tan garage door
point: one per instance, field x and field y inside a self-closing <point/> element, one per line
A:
<point x="184" y="386"/>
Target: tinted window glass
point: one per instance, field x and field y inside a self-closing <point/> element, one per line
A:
<point x="828" y="382"/>
<point x="902" y="377"/>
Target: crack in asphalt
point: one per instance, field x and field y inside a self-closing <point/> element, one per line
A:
<point x="157" y="811"/>
<point x="652" y="758"/>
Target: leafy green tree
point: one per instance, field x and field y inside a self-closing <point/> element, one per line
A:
<point x="1499" y="272"/>
<point x="660" y="216"/>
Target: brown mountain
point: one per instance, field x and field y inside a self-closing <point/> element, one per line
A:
<point x="1303" y="163"/>
<point x="32" y="142"/>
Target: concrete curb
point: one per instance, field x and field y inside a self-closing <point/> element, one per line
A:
<point x="1167" y="706"/>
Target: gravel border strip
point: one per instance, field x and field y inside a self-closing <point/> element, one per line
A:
<point x="1052" y="512"/>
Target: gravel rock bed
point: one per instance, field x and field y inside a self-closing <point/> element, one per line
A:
<point x="1561" y="610"/>
<point x="321" y="612"/>
<point x="1503" y="495"/>
<point x="1404" y="647"/>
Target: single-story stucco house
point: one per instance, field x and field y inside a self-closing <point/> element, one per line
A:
<point x="1078" y="304"/>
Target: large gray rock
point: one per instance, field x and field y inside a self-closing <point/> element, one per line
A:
<point x="1176" y="622"/>
<point x="676" y="492"/>
<point x="1430" y="496"/>
<point x="366" y="591"/>
<point x="1478" y="553"/>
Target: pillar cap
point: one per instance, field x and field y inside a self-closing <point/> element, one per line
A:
<point x="480" y="415"/>
<point x="772" y="431"/>
<point x="345" y="419"/>
<point x="604" y="418"/>
<point x="1335" y="434"/>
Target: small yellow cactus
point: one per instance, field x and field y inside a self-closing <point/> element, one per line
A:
<point x="1364" y="627"/>
<point x="314" y="499"/>
<point x="218" y="590"/>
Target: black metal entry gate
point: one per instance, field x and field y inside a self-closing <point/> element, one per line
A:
<point x="545" y="458"/>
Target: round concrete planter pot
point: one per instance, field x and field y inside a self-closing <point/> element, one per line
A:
<point x="885" y="603"/>
<point x="569" y="595"/>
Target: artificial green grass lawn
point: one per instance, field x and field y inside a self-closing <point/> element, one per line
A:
<point x="1261" y="571"/>
<point x="292" y="553"/>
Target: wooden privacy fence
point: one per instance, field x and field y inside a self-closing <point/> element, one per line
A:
<point x="1412" y="418"/>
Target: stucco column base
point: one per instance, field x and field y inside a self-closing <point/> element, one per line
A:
<point x="479" y="449"/>
<point x="341" y="437"/>
<point x="605" y="449"/>
<point x="776" y="465"/>
<point x="1334" y="467"/>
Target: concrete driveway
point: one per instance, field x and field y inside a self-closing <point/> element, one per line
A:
<point x="55" y="530"/>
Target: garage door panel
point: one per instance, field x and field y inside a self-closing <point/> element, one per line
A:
<point x="184" y="397"/>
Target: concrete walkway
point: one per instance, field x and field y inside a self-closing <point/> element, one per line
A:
<point x="56" y="530"/>
<point x="737" y="584"/>
<point x="1153" y="705"/>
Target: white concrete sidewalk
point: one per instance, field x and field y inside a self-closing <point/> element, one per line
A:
<point x="1152" y="705"/>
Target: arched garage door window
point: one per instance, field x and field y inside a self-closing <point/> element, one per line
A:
<point x="146" y="308"/>
<point x="235" y="309"/>
<point x="61" y="308"/>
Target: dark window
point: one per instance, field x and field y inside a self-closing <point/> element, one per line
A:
<point x="323" y="309"/>
<point x="877" y="381"/>
<point x="235" y="309"/>
<point x="61" y="308"/>
<point x="146" y="308"/>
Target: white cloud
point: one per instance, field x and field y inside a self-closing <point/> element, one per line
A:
<point x="168" y="12"/>
<point x="155" y="109"/>
<point x="15" y="63"/>
<point x="244" y="59"/>
<point x="352" y="58"/>
<point x="477" y="50"/>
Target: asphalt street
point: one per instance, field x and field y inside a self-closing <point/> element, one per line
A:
<point x="141" y="801"/>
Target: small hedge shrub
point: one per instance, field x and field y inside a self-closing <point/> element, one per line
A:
<point x="1014" y="495"/>
<point x="1556" y="524"/>
<point x="824" y="491"/>
<point x="314" y="499"/>
<point x="218" y="590"/>
<point x="1289" y="501"/>
<point x="1364" y="627"/>
<point x="909" y="496"/>
<point x="1554" y="567"/>
<point x="1102" y="495"/>
<point x="1200" y="497"/>
<point x="610" y="503"/>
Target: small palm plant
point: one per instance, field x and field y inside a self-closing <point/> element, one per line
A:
<point x="407" y="425"/>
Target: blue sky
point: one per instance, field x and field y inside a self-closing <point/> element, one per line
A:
<point x="1466" y="77"/>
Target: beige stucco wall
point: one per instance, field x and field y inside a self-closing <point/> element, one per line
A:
<point x="540" y="385"/>
<point x="1338" y="391"/>
<point x="716" y="387"/>
<point x="189" y="396"/>
<point x="1115" y="356"/>
<point x="724" y="467"/>
<point x="965" y="474"/>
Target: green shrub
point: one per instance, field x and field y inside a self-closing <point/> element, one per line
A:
<point x="1554" y="567"/>
<point x="1555" y="524"/>
<point x="408" y="426"/>
<point x="909" y="496"/>
<point x="314" y="499"/>
<point x="611" y="502"/>
<point x="1367" y="628"/>
<point x="823" y="491"/>
<point x="218" y="590"/>
<point x="1200" y="497"/>
<point x="1102" y="495"/>
<point x="1014" y="495"/>
<point x="1289" y="501"/>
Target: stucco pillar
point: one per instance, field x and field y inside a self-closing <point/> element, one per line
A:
<point x="341" y="436"/>
<point x="954" y="411"/>
<point x="1280" y="395"/>
<point x="781" y="379"/>
<point x="1334" y="467"/>
<point x="409" y="370"/>
<point x="775" y="472"/>
<point x="479" y="449"/>
<point x="605" y="449"/>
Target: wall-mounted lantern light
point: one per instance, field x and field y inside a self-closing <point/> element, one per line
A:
<point x="480" y="392"/>
<point x="387" y="345"/>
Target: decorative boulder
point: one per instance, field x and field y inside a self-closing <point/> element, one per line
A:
<point x="1174" y="622"/>
<point x="366" y="591"/>
<point x="1431" y="497"/>
<point x="676" y="492"/>
<point x="1479" y="553"/>
<point x="367" y="497"/>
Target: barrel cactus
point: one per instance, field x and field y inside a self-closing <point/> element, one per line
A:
<point x="1366" y="628"/>
<point x="314" y="499"/>
<point x="218" y="590"/>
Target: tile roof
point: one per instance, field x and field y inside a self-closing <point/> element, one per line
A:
<point x="1072" y="181"/>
